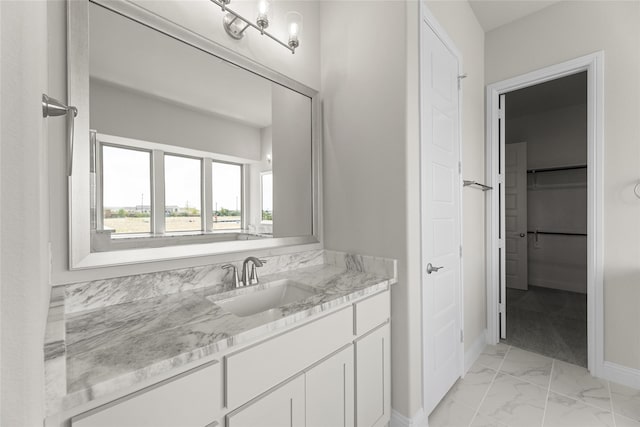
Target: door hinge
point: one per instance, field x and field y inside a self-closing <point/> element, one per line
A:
<point x="460" y="77"/>
<point x="460" y="251"/>
<point x="500" y="113"/>
<point x="460" y="168"/>
<point x="461" y="335"/>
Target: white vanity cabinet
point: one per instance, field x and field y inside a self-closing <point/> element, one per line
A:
<point x="330" y="371"/>
<point x="192" y="399"/>
<point x="330" y="391"/>
<point x="372" y="361"/>
<point x="283" y="406"/>
<point x="373" y="401"/>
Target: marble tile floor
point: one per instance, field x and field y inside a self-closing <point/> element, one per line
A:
<point x="508" y="386"/>
<point x="548" y="321"/>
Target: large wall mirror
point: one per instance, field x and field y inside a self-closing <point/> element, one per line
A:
<point x="182" y="149"/>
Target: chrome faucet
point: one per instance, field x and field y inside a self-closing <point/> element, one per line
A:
<point x="251" y="278"/>
<point x="234" y="271"/>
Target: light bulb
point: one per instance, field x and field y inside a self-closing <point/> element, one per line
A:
<point x="293" y="29"/>
<point x="294" y="24"/>
<point x="263" y="19"/>
<point x="263" y="7"/>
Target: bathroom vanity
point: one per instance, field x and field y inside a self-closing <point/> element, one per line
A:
<point x="309" y="344"/>
<point x="186" y="359"/>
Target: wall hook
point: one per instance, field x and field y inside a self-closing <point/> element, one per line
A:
<point x="51" y="107"/>
<point x="636" y="190"/>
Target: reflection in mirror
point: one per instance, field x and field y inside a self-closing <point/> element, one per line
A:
<point x="126" y="183"/>
<point x="185" y="142"/>
<point x="226" y="180"/>
<point x="267" y="197"/>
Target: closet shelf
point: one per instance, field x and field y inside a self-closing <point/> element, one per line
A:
<point x="558" y="168"/>
<point x="555" y="233"/>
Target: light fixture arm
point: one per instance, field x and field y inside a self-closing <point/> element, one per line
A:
<point x="238" y="34"/>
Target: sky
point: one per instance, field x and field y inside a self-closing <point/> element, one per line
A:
<point x="127" y="180"/>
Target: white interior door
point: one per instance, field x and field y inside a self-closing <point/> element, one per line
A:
<point x="440" y="204"/>
<point x="515" y="205"/>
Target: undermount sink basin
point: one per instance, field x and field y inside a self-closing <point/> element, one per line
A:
<point x="275" y="294"/>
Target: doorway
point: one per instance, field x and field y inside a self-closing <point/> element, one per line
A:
<point x="546" y="218"/>
<point x="499" y="263"/>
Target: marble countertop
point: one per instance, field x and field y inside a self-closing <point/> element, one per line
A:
<point x="113" y="347"/>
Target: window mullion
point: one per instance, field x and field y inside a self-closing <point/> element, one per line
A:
<point x="207" y="196"/>
<point x="157" y="193"/>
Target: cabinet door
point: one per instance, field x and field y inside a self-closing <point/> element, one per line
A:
<point x="373" y="403"/>
<point x="283" y="406"/>
<point x="329" y="388"/>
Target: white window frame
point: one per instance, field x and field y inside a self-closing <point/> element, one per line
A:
<point x="157" y="190"/>
<point x="262" y="174"/>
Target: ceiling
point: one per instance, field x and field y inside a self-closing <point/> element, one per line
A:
<point x="495" y="13"/>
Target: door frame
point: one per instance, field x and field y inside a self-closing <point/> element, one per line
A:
<point x="427" y="18"/>
<point x="593" y="64"/>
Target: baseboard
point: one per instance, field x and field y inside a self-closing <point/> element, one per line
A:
<point x="621" y="374"/>
<point x="420" y="419"/>
<point x="472" y="354"/>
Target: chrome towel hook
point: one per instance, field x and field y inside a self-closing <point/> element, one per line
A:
<point x="51" y="107"/>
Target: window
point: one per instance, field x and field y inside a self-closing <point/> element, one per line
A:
<point x="226" y="188"/>
<point x="155" y="189"/>
<point x="182" y="190"/>
<point x="126" y="190"/>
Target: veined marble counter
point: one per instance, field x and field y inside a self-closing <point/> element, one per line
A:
<point x="121" y="342"/>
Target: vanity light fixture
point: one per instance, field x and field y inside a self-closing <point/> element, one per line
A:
<point x="235" y="24"/>
<point x="294" y="26"/>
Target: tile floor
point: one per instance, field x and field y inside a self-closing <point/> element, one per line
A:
<point x="508" y="386"/>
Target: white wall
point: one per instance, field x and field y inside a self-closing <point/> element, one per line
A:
<point x="556" y="201"/>
<point x="203" y="17"/>
<point x="554" y="138"/>
<point x="364" y="119"/>
<point x="121" y="112"/>
<point x="460" y="22"/>
<point x="558" y="33"/>
<point x="371" y="155"/>
<point x="24" y="286"/>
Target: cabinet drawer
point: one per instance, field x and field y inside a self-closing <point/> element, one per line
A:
<point x="191" y="399"/>
<point x="256" y="369"/>
<point x="372" y="312"/>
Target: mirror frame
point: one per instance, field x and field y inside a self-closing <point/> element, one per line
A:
<point x="79" y="183"/>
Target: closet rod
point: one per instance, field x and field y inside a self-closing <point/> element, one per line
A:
<point x="559" y="168"/>
<point x="556" y="233"/>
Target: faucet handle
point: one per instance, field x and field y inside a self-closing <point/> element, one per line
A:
<point x="253" y="279"/>
<point x="236" y="279"/>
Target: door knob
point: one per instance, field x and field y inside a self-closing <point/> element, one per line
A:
<point x="522" y="234"/>
<point x="431" y="268"/>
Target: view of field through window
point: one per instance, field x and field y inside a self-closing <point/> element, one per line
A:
<point x="227" y="196"/>
<point x="127" y="200"/>
<point x="126" y="194"/>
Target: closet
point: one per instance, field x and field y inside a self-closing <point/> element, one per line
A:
<point x="546" y="218"/>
